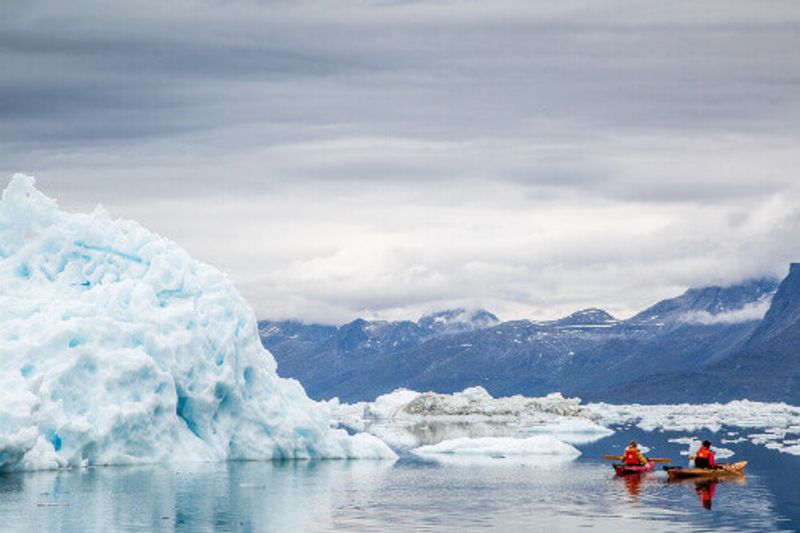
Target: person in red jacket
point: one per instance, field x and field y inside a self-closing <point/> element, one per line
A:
<point x="704" y="458"/>
<point x="632" y="456"/>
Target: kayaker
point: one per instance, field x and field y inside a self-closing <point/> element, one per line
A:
<point x="704" y="458"/>
<point x="632" y="456"/>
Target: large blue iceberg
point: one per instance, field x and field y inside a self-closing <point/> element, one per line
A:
<point x="116" y="347"/>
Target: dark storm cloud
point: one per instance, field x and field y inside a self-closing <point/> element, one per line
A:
<point x="459" y="70"/>
<point x="532" y="118"/>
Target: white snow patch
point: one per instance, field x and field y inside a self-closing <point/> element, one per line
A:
<point x="116" y="347"/>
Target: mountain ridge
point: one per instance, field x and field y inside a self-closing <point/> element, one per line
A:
<point x="766" y="367"/>
<point x="588" y="353"/>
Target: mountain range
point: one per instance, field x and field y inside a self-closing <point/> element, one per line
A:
<point x="708" y="344"/>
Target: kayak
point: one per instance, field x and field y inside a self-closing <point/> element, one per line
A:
<point x="624" y="470"/>
<point x="732" y="469"/>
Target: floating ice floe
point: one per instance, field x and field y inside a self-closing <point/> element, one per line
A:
<point x="117" y="347"/>
<point x="406" y="419"/>
<point x="541" y="449"/>
<point x="733" y="441"/>
<point x="572" y="430"/>
<point x="694" y="443"/>
<point x="779" y="422"/>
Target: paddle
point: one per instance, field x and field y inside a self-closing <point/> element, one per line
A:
<point x="653" y="459"/>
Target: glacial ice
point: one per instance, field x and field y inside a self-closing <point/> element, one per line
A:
<point x="406" y="419"/>
<point x="116" y="347"/>
<point x="779" y="422"/>
<point x="539" y="449"/>
<point x="694" y="443"/>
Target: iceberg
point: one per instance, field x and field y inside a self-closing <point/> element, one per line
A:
<point x="540" y="449"/>
<point x="476" y="401"/>
<point x="407" y="419"/>
<point x="116" y="347"/>
<point x="572" y="430"/>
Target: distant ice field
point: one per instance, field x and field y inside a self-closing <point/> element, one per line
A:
<point x="411" y="420"/>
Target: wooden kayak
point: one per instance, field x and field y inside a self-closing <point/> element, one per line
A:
<point x="732" y="469"/>
<point x="624" y="470"/>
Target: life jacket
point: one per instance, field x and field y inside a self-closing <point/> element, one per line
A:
<point x="702" y="458"/>
<point x="631" y="457"/>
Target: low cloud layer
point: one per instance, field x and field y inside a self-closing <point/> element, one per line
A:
<point x="752" y="311"/>
<point x="390" y="158"/>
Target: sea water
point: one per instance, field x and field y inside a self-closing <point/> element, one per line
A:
<point x="408" y="495"/>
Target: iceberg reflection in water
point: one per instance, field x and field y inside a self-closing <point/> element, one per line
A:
<point x="411" y="494"/>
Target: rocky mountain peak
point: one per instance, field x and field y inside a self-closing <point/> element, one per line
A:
<point x="587" y="317"/>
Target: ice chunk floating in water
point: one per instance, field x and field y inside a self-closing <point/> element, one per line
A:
<point x="117" y="347"/>
<point x="538" y="445"/>
<point x="694" y="444"/>
<point x="406" y="419"/>
<point x="540" y="449"/>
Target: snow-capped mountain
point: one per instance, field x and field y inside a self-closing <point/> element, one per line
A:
<point x="714" y="303"/>
<point x="588" y="317"/>
<point x="765" y="365"/>
<point x="459" y="320"/>
<point x="587" y="353"/>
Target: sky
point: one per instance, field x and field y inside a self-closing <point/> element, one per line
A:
<point x="385" y="159"/>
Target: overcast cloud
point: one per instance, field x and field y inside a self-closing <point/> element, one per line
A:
<point x="383" y="159"/>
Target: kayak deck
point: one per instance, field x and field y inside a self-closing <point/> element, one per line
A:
<point x="732" y="469"/>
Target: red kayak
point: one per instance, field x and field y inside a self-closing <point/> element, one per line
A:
<point x="624" y="470"/>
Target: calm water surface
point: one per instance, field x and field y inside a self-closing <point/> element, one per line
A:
<point x="409" y="495"/>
